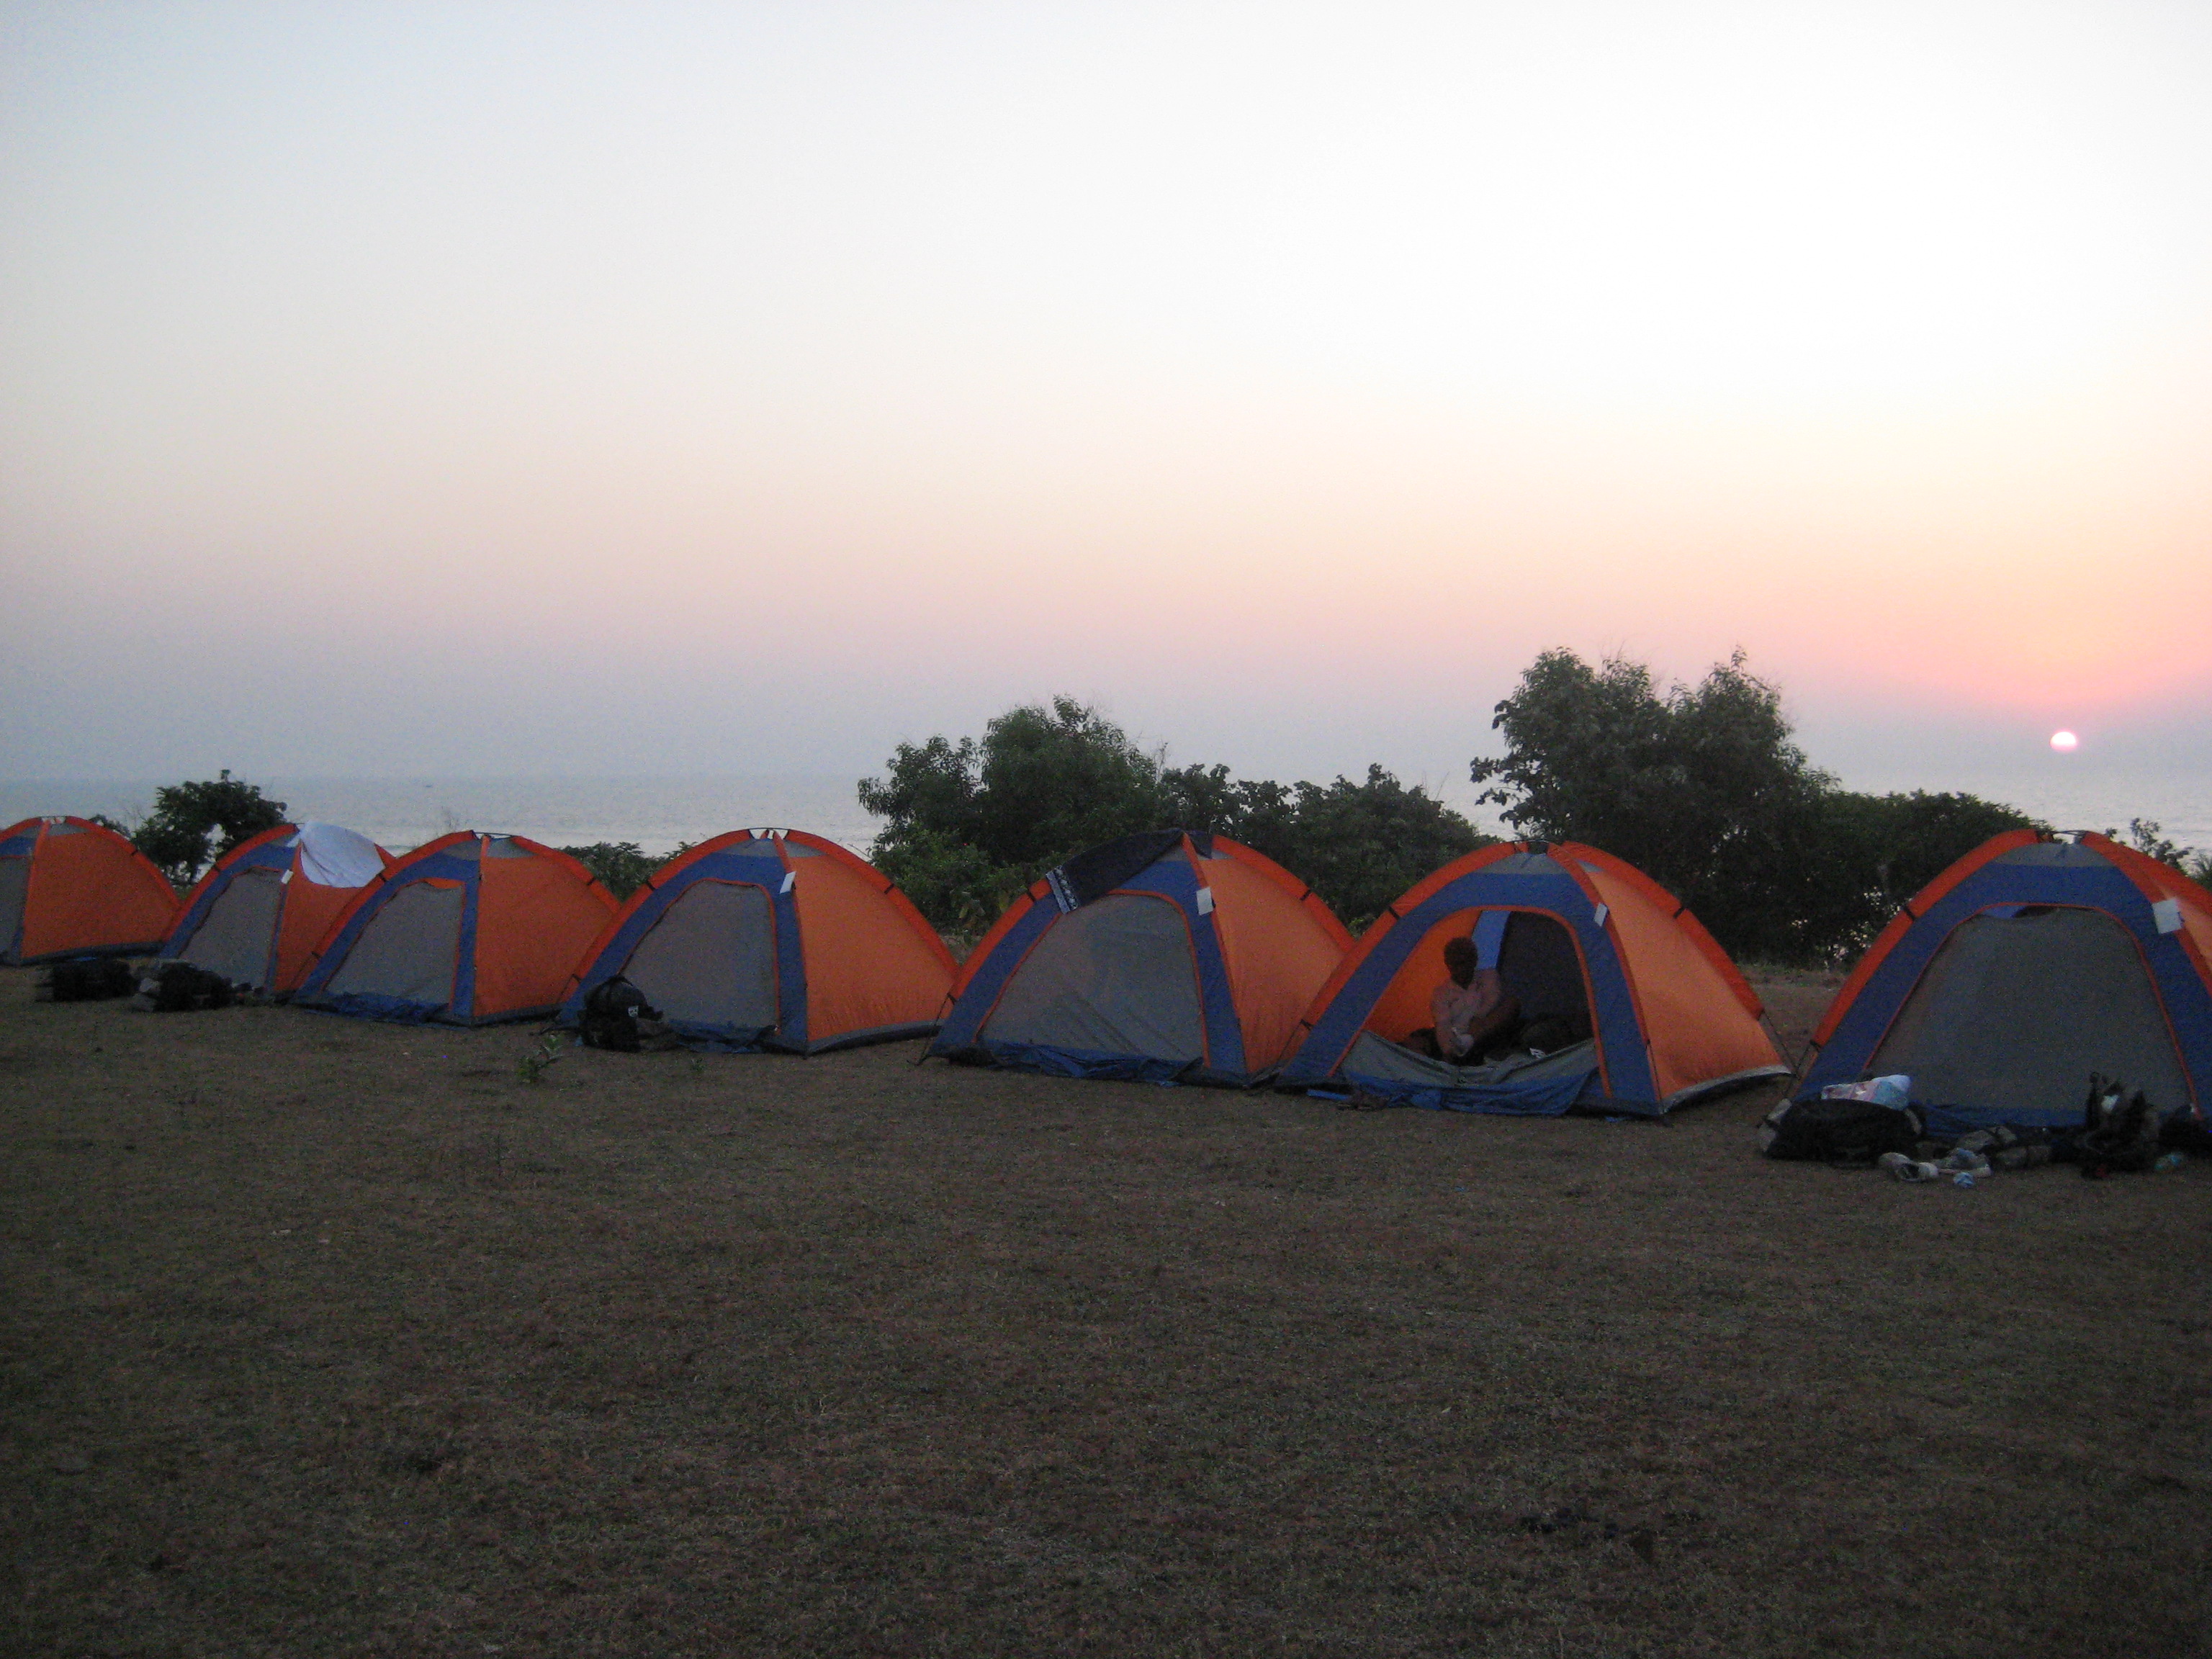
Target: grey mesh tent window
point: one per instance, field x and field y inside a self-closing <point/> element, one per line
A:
<point x="409" y="949"/>
<point x="1116" y="977"/>
<point x="710" y="960"/>
<point x="237" y="933"/>
<point x="2017" y="1009"/>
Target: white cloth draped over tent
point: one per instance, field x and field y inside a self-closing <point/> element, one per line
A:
<point x="333" y="856"/>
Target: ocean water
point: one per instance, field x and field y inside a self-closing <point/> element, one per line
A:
<point x="660" y="814"/>
<point x="2067" y="796"/>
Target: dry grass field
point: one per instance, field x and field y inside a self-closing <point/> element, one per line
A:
<point x="328" y="1337"/>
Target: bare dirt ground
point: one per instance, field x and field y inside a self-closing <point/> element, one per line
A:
<point x="329" y="1338"/>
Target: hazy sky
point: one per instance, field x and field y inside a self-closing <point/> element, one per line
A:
<point x="510" y="389"/>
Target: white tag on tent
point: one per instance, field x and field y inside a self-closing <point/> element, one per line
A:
<point x="790" y="880"/>
<point x="2167" y="912"/>
<point x="1598" y="916"/>
<point x="1206" y="901"/>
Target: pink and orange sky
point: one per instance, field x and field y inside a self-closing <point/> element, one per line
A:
<point x="510" y="389"/>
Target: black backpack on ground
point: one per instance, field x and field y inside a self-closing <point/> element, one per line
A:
<point x="176" y="987"/>
<point x="613" y="1015"/>
<point x="83" y="982"/>
<point x="2120" y="1132"/>
<point x="1839" y="1130"/>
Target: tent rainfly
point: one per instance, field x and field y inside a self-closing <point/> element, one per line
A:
<point x="69" y="887"/>
<point x="774" y="939"/>
<point x="2028" y="964"/>
<point x="257" y="917"/>
<point x="1161" y="957"/>
<point x="467" y="930"/>
<point x="1654" y="1012"/>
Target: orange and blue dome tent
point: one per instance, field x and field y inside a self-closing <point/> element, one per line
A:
<point x="466" y="930"/>
<point x="1165" y="957"/>
<point x="773" y="940"/>
<point x="2028" y="964"/>
<point x="1644" y="1010"/>
<point x="257" y="916"/>
<point x="69" y="887"/>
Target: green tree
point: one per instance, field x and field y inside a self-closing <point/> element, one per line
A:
<point x="1699" y="786"/>
<point x="1873" y="852"/>
<point x="1056" y="781"/>
<point x="1918" y="836"/>
<point x="1358" y="845"/>
<point x="622" y="867"/>
<point x="193" y="825"/>
<point x="1702" y="787"/>
<point x="2148" y="836"/>
<point x="970" y="824"/>
<point x="954" y="884"/>
<point x="1206" y="798"/>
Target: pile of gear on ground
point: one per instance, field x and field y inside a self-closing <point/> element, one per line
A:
<point x="1873" y="1123"/>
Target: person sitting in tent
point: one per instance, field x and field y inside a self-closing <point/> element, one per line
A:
<point x="1473" y="1010"/>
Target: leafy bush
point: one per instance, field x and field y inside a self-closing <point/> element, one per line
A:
<point x="955" y="885"/>
<point x="1869" y="853"/>
<point x="622" y="867"/>
<point x="2148" y="836"/>
<point x="1358" y="845"/>
<point x="972" y="823"/>
<point x="193" y="825"/>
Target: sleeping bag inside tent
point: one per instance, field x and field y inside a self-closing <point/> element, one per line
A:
<point x="69" y="887"/>
<point x="1627" y="1004"/>
<point x="773" y="940"/>
<point x="467" y="930"/>
<point x="1161" y="957"/>
<point x="2020" y="970"/>
<point x="257" y="917"/>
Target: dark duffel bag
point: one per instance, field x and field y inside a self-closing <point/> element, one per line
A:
<point x="1839" y="1131"/>
<point x="83" y="982"/>
<point x="179" y="988"/>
